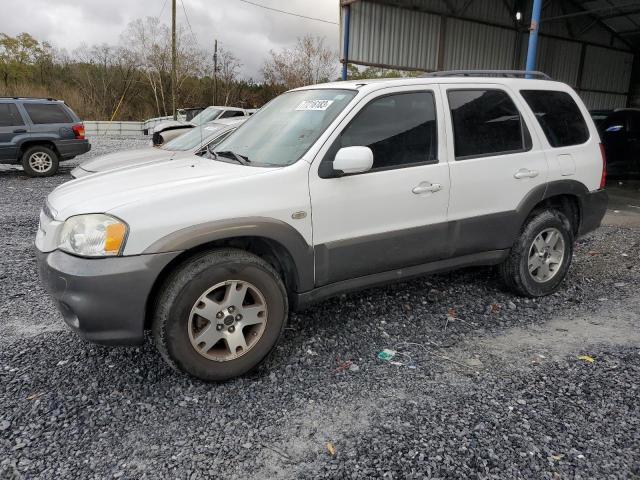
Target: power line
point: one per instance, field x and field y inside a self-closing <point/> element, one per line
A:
<point x="289" y="13"/>
<point x="162" y="9"/>
<point x="187" y="17"/>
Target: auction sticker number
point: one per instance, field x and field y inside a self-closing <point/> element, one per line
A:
<point x="314" y="105"/>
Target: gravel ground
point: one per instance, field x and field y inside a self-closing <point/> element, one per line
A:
<point x="486" y="384"/>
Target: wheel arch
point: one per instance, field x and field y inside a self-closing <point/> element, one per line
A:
<point x="24" y="146"/>
<point x="278" y="243"/>
<point x="564" y="195"/>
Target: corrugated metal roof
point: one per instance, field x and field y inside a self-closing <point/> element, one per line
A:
<point x="560" y="59"/>
<point x="384" y="35"/>
<point x="475" y="46"/>
<point x="606" y="70"/>
<point x="597" y="100"/>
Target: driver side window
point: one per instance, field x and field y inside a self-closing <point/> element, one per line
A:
<point x="400" y="129"/>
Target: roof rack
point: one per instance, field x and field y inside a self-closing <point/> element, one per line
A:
<point x="31" y="98"/>
<point x="491" y="73"/>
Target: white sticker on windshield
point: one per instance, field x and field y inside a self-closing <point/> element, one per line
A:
<point x="211" y="129"/>
<point x="314" y="105"/>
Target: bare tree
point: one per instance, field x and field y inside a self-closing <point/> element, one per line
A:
<point x="228" y="74"/>
<point x="308" y="62"/>
<point x="104" y="76"/>
<point x="149" y="42"/>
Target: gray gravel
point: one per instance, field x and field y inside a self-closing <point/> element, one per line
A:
<point x="490" y="385"/>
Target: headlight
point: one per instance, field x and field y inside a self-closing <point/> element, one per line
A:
<point x="94" y="235"/>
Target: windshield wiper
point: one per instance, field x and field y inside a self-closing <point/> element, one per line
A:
<point x="241" y="159"/>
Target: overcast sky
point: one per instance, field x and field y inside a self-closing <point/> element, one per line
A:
<point x="248" y="31"/>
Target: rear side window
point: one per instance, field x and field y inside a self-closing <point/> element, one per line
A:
<point x="9" y="115"/>
<point x="486" y="123"/>
<point x="400" y="129"/>
<point x="558" y="116"/>
<point x="232" y="113"/>
<point x="47" y="113"/>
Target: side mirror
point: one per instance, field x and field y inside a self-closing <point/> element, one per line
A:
<point x="353" y="160"/>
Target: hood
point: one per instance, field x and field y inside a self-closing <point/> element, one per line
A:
<point x="158" y="127"/>
<point x="127" y="158"/>
<point x="103" y="192"/>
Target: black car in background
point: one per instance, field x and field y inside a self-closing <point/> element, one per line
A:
<point x="39" y="133"/>
<point x="620" y="134"/>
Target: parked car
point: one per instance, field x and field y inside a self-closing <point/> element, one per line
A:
<point x="170" y="129"/>
<point x="599" y="116"/>
<point x="620" y="133"/>
<point x="39" y="133"/>
<point x="194" y="142"/>
<point x="404" y="177"/>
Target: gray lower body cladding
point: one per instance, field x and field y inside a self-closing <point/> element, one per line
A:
<point x="103" y="300"/>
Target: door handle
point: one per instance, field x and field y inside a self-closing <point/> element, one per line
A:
<point x="20" y="130"/>
<point x="525" y="173"/>
<point x="426" y="187"/>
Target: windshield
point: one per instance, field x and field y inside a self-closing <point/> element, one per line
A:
<point x="208" y="114"/>
<point x="193" y="138"/>
<point x="283" y="130"/>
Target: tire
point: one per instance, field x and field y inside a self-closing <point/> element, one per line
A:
<point x="178" y="325"/>
<point x="40" y="161"/>
<point x="527" y="271"/>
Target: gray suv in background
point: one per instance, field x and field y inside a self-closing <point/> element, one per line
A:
<point x="39" y="133"/>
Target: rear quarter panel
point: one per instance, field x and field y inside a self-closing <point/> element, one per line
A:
<point x="583" y="162"/>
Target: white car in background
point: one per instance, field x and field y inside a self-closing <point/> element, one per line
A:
<point x="170" y="129"/>
<point x="195" y="141"/>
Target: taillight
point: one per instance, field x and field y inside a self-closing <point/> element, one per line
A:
<point x="603" y="178"/>
<point x="78" y="131"/>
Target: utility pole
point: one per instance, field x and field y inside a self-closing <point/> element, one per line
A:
<point x="215" y="71"/>
<point x="173" y="58"/>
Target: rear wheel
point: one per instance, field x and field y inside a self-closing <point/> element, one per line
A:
<point x="40" y="161"/>
<point x="540" y="258"/>
<point x="220" y="314"/>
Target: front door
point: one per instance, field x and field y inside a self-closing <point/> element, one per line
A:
<point x="11" y="127"/>
<point x="394" y="215"/>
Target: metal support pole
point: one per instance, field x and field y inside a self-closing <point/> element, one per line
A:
<point x="215" y="72"/>
<point x="173" y="59"/>
<point x="533" y="35"/>
<point x="345" y="45"/>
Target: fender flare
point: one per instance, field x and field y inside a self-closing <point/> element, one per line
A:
<point x="552" y="189"/>
<point x="261" y="227"/>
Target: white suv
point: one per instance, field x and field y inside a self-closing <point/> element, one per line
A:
<point x="327" y="189"/>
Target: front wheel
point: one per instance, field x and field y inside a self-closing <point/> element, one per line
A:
<point x="220" y="314"/>
<point x="540" y="258"/>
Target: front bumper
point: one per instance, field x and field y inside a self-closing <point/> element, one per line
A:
<point x="104" y="300"/>
<point x="80" y="172"/>
<point x="593" y="207"/>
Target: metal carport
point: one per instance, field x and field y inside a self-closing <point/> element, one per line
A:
<point x="587" y="44"/>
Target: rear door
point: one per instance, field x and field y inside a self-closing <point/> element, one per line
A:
<point x="12" y="126"/>
<point x="495" y="161"/>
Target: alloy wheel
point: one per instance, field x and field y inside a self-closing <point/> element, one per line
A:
<point x="40" y="162"/>
<point x="546" y="255"/>
<point x="227" y="320"/>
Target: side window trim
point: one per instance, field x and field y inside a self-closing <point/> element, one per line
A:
<point x="524" y="129"/>
<point x="327" y="160"/>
